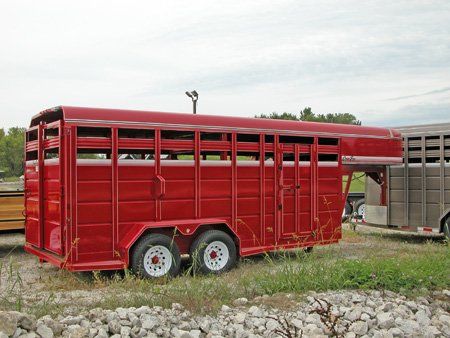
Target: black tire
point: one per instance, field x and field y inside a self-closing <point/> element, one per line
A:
<point x="308" y="249"/>
<point x="200" y="245"/>
<point x="347" y="211"/>
<point x="446" y="227"/>
<point x="150" y="270"/>
<point x="357" y="206"/>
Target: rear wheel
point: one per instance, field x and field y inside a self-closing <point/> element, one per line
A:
<point x="360" y="208"/>
<point x="155" y="256"/>
<point x="213" y="251"/>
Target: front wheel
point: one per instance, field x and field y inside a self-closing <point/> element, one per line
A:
<point x="155" y="256"/>
<point x="213" y="252"/>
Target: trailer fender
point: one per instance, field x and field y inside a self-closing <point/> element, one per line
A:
<point x="185" y="228"/>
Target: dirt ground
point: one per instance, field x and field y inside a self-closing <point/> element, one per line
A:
<point x="23" y="280"/>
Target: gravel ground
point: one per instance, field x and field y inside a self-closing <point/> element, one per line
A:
<point x="346" y="314"/>
<point x="343" y="313"/>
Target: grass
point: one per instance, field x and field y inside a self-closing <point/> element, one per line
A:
<point x="366" y="261"/>
<point x="11" y="179"/>
<point x="358" y="182"/>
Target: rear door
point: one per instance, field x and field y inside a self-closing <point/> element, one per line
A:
<point x="44" y="189"/>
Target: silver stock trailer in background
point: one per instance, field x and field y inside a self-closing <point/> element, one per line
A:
<point x="418" y="191"/>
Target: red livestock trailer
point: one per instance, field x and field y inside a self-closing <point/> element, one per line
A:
<point x="112" y="189"/>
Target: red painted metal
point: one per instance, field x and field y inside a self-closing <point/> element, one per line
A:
<point x="270" y="184"/>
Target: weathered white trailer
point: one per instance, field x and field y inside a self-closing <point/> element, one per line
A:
<point x="418" y="191"/>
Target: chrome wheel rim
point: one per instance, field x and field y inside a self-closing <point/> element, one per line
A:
<point x="216" y="255"/>
<point x="362" y="210"/>
<point x="157" y="261"/>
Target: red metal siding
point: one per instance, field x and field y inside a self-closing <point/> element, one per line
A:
<point x="285" y="191"/>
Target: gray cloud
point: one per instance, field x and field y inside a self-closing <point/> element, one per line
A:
<point x="432" y="92"/>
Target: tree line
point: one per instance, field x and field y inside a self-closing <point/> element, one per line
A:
<point x="12" y="141"/>
<point x="11" y="151"/>
<point x="306" y="114"/>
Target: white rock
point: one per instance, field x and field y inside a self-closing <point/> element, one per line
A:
<point x="149" y="322"/>
<point x="256" y="311"/>
<point x="125" y="331"/>
<point x="359" y="327"/>
<point x="313" y="330"/>
<point x="177" y="307"/>
<point x="412" y="305"/>
<point x="225" y="308"/>
<point x="72" y="320"/>
<point x="195" y="333"/>
<point x="354" y="314"/>
<point x="101" y="333"/>
<point x="422" y="318"/>
<point x="271" y="324"/>
<point x="385" y="320"/>
<point x="8" y="323"/>
<point x="122" y="313"/>
<point x="240" y="301"/>
<point x="396" y="332"/>
<point x="44" y="331"/>
<point x="239" y="318"/>
<point x="204" y="325"/>
<point x="114" y="327"/>
<point x="410" y="327"/>
<point x="365" y="317"/>
<point x="444" y="319"/>
<point x="297" y="323"/>
<point x="18" y="332"/>
<point x="29" y="335"/>
<point x="432" y="331"/>
<point x="141" y="310"/>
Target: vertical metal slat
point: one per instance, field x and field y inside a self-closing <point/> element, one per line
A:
<point x="424" y="181"/>
<point x="406" y="182"/>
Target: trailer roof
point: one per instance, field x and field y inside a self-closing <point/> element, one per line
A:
<point x="119" y="116"/>
<point x="425" y="129"/>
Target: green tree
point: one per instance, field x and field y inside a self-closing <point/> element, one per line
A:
<point x="308" y="115"/>
<point x="11" y="151"/>
<point x="278" y="116"/>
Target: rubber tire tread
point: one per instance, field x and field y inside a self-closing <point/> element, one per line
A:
<point x="446" y="228"/>
<point x="200" y="244"/>
<point x="348" y="210"/>
<point x="141" y="248"/>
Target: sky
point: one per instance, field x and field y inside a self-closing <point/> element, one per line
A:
<point x="387" y="62"/>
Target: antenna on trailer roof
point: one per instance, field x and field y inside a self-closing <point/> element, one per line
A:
<point x="194" y="96"/>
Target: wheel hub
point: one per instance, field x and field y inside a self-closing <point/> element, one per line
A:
<point x="157" y="261"/>
<point x="216" y="255"/>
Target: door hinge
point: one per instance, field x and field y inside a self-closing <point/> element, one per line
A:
<point x="61" y="191"/>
